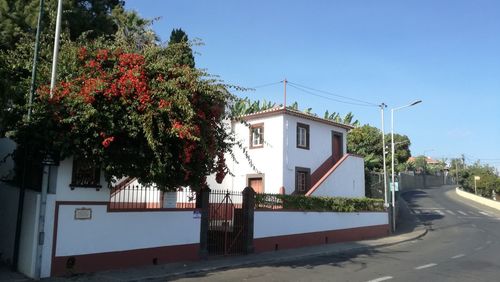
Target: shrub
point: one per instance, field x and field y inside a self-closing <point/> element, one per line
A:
<point x="306" y="203"/>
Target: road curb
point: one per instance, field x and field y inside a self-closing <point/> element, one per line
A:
<point x="411" y="236"/>
<point x="260" y="259"/>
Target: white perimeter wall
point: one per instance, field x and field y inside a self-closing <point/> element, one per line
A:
<point x="271" y="223"/>
<point x="348" y="180"/>
<point x="320" y="148"/>
<point x="267" y="160"/>
<point x="28" y="240"/>
<point x="64" y="192"/>
<point x="120" y="231"/>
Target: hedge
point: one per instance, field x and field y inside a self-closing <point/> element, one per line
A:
<point x="307" y="203"/>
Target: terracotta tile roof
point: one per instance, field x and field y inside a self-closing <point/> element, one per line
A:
<point x="280" y="110"/>
<point x="428" y="160"/>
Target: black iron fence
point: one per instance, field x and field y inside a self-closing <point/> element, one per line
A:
<point x="134" y="197"/>
<point x="229" y="220"/>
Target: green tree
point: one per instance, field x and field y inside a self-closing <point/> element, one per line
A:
<point x="366" y="141"/>
<point x="173" y="135"/>
<point x="179" y="48"/>
<point x="401" y="150"/>
<point x="488" y="182"/>
<point x="347" y="119"/>
<point x="79" y="16"/>
<point x="17" y="33"/>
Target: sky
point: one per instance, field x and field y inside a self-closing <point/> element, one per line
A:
<point x="445" y="53"/>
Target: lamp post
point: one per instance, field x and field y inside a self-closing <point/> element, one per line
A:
<point x="476" y="178"/>
<point x="393" y="194"/>
<point x="382" y="106"/>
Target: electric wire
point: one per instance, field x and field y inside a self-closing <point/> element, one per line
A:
<point x="333" y="94"/>
<point x="332" y="99"/>
<point x="266" y="85"/>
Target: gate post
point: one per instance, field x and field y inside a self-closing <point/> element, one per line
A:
<point x="204" y="196"/>
<point x="248" y="219"/>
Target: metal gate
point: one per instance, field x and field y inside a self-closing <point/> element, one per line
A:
<point x="227" y="224"/>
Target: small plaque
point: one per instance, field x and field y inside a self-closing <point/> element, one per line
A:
<point x="170" y="200"/>
<point x="83" y="213"/>
<point x="196" y="214"/>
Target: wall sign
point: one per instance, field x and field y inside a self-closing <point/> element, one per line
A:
<point x="83" y="213"/>
<point x="170" y="200"/>
<point x="196" y="214"/>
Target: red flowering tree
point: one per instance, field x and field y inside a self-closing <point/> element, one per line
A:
<point x="134" y="113"/>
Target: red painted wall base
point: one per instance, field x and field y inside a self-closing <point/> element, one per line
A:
<point x="67" y="265"/>
<point x="318" y="238"/>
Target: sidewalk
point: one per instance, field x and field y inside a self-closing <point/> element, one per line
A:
<point x="408" y="229"/>
<point x="6" y="274"/>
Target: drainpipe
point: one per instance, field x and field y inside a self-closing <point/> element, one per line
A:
<point x="41" y="220"/>
<point x="233" y="165"/>
<point x="285" y="150"/>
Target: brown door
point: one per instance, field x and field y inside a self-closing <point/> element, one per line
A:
<point x="337" y="146"/>
<point x="256" y="184"/>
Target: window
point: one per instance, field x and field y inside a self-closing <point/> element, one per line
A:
<point x="85" y="174"/>
<point x="302" y="179"/>
<point x="257" y="136"/>
<point x="302" y="136"/>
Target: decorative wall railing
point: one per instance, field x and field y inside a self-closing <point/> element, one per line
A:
<point x="137" y="197"/>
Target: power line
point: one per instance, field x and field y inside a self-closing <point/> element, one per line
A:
<point x="267" y="84"/>
<point x="333" y="94"/>
<point x="329" y="98"/>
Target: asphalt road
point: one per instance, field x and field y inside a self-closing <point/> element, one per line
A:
<point x="463" y="244"/>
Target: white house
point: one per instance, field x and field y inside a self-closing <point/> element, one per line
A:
<point x="293" y="152"/>
<point x="84" y="231"/>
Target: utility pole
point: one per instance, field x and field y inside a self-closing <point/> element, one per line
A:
<point x="20" y="204"/>
<point x="382" y="106"/>
<point x="56" y="48"/>
<point x="284" y="103"/>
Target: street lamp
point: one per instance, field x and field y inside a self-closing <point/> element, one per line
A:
<point x="382" y="106"/>
<point x="476" y="178"/>
<point x="392" y="153"/>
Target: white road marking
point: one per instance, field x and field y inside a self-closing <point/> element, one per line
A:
<point x="450" y="212"/>
<point x="381" y="279"/>
<point x="458" y="256"/>
<point x="478" y="248"/>
<point x="461" y="212"/>
<point x="425" y="266"/>
<point x="484" y="213"/>
<point x="440" y="212"/>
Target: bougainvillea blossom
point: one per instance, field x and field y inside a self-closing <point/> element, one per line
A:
<point x="138" y="115"/>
